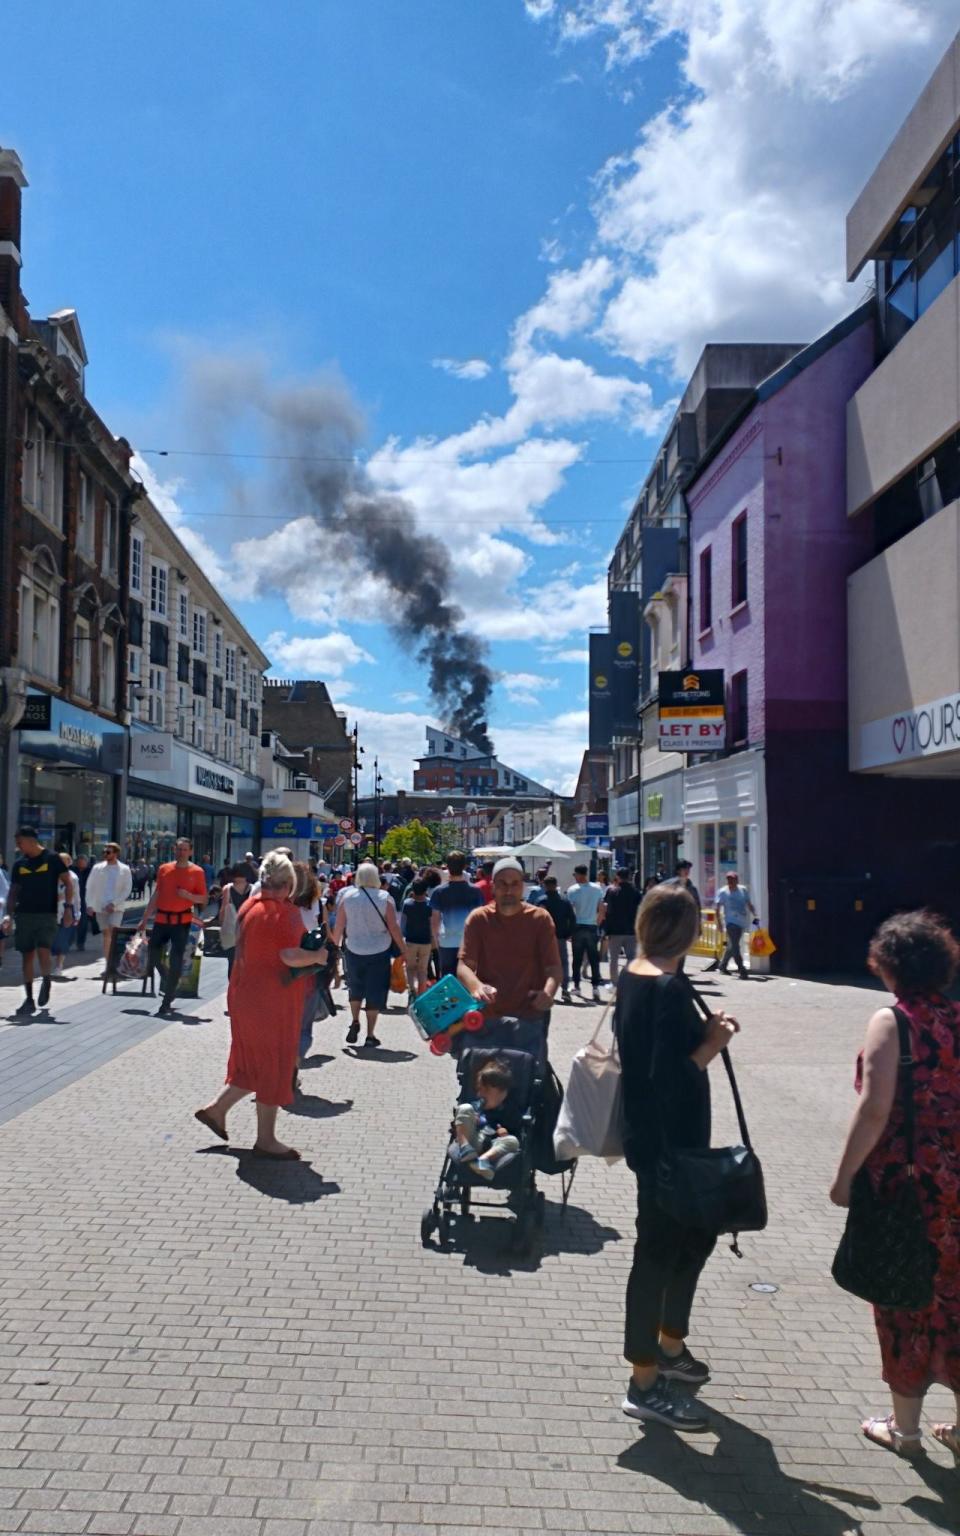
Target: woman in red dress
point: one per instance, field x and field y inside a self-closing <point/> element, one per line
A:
<point x="265" y="1006"/>
<point x="916" y="957"/>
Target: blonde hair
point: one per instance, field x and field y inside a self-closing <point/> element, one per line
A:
<point x="368" y="875"/>
<point x="277" y="872"/>
<point x="668" y="922"/>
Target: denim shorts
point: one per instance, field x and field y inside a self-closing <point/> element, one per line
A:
<point x="368" y="977"/>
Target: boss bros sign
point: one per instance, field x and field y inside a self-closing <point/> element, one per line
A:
<point x="692" y="715"/>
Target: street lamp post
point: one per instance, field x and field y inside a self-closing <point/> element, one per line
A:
<point x="357" y="754"/>
<point x="377" y="798"/>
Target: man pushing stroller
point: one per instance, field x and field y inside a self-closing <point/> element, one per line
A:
<point x="510" y="962"/>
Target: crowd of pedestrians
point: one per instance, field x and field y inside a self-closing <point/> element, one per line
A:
<point x="286" y="928"/>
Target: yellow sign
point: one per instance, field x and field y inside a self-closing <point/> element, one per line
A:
<point x="624" y="649"/>
<point x="600" y="681"/>
<point x="691" y="681"/>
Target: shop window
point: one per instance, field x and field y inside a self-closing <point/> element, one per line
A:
<point x="159" y="644"/>
<point x="706" y="588"/>
<point x="111" y="535"/>
<point x="230" y="740"/>
<point x="739" y="710"/>
<point x="158" y="590"/>
<point x="136" y="563"/>
<point x="86" y="516"/>
<point x="230" y="704"/>
<point x="183" y="663"/>
<point x="135" y="622"/>
<point x="738" y="560"/>
<point x="726" y="848"/>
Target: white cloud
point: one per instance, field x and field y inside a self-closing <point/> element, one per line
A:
<point x="526" y="687"/>
<point x="323" y="656"/>
<point x="564" y="605"/>
<point x="549" y="750"/>
<point x="569" y="654"/>
<point x="406" y="696"/>
<point x="729" y="213"/>
<point x="165" y="496"/>
<point x="467" y="368"/>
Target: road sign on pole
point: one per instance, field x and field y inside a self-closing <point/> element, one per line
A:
<point x="339" y="841"/>
<point x="357" y="838"/>
<point x="346" y="824"/>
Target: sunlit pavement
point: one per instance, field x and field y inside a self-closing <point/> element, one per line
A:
<point x="196" y="1343"/>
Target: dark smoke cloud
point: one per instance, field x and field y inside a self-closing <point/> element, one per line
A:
<point x="315" y="431"/>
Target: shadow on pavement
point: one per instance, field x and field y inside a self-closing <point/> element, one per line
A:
<point x="743" y="1483"/>
<point x="943" y="1481"/>
<point x="486" y="1242"/>
<point x="381" y="1054"/>
<point x="317" y="1060"/>
<point x="296" y="1183"/>
<point x="312" y="1107"/>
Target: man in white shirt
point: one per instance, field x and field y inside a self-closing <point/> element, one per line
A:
<point x="108" y="888"/>
<point x="586" y="898"/>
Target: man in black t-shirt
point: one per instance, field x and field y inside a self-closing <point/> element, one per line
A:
<point x="35" y="881"/>
<point x="618" y="918"/>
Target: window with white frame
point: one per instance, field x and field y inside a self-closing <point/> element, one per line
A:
<point x="199" y="721"/>
<point x="216" y="733"/>
<point x="50" y="467"/>
<point x="244" y="680"/>
<point x="86" y="516"/>
<point x="230" y="740"/>
<point x="39" y="630"/>
<point x="184" y="709"/>
<point x="183" y="615"/>
<point x="111" y="535"/>
<point x="158" y="589"/>
<point x="134" y="663"/>
<point x="82" y="657"/>
<point x="231" y="664"/>
<point x="156" y="696"/>
<point x="108" y="673"/>
<point x="218" y="651"/>
<point x="136" y="563"/>
<point x="199" y="631"/>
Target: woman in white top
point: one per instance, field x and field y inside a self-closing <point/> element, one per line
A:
<point x="367" y="917"/>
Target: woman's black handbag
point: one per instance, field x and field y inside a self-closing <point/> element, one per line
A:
<point x="885" y="1255"/>
<point x="714" y="1189"/>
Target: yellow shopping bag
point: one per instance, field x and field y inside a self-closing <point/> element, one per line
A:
<point x="761" y="942"/>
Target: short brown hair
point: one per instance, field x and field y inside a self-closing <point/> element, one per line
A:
<point x="495" y="1074"/>
<point x="111" y="847"/>
<point x="456" y="863"/>
<point x="668" y="922"/>
<point x="917" y="951"/>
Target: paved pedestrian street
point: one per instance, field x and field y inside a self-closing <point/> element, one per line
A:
<point x="195" y="1343"/>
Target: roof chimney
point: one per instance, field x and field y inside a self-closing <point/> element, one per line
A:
<point x="12" y="182"/>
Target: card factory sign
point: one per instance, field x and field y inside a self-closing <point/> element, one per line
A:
<point x="926" y="731"/>
<point x="692" y="716"/>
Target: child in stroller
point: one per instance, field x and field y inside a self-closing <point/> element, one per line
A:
<point x="479" y="1137"/>
<point x="510" y="1099"/>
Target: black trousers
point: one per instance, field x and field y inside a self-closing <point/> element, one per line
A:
<point x="586" y="946"/>
<point x="176" y="935"/>
<point x="667" y="1263"/>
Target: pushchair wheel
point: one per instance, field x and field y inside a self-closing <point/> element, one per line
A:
<point x="427" y="1223"/>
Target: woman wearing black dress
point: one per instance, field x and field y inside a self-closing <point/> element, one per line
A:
<point x="665" y="1050"/>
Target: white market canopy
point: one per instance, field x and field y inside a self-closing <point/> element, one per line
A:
<point x="551" y="843"/>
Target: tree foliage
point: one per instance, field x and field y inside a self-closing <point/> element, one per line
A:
<point x="411" y="840"/>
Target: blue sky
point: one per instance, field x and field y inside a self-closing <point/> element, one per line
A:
<point x="570" y="199"/>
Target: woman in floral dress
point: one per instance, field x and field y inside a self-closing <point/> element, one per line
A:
<point x="916" y="957"/>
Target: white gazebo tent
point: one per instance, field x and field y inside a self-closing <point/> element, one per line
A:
<point x="560" y="852"/>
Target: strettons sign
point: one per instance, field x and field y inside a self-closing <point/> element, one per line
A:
<point x="692" y="713"/>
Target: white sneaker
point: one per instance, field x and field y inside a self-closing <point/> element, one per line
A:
<point x="596" y="995"/>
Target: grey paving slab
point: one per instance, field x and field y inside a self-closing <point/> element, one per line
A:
<point x="192" y="1342"/>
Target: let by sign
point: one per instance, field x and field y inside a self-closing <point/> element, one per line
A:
<point x="692" y="713"/>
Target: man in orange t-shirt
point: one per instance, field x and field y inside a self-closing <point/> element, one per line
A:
<point x="181" y="887"/>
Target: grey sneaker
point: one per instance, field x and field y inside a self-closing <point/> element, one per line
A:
<point x="684" y="1368"/>
<point x="462" y="1154"/>
<point x="484" y="1168"/>
<point x="664" y="1404"/>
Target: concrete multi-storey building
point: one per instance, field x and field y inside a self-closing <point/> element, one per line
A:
<point x="903" y="494"/>
<point x="450" y="764"/>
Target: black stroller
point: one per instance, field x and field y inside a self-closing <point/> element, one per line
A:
<point x="532" y="1105"/>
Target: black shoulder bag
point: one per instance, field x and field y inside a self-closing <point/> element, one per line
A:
<point x="714" y="1189"/>
<point x="885" y="1255"/>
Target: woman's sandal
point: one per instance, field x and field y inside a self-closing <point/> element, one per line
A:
<point x="949" y="1435"/>
<point x="884" y="1432"/>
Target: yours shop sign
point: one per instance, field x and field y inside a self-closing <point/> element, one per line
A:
<point x="928" y="730"/>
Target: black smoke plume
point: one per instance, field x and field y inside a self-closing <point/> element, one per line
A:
<point x="314" y="431"/>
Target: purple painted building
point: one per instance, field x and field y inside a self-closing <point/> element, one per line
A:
<point x="771" y="548"/>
